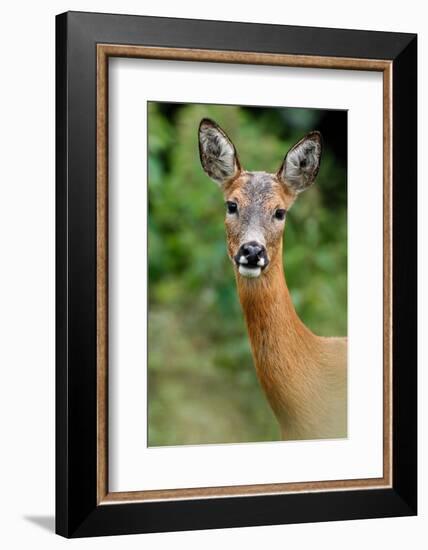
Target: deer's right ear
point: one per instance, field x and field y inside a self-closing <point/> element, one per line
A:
<point x="301" y="163"/>
<point x="217" y="153"/>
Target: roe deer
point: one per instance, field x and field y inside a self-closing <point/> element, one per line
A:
<point x="302" y="375"/>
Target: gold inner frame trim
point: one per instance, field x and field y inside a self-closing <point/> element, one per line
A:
<point x="104" y="51"/>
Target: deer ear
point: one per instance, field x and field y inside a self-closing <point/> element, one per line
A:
<point x="217" y="153"/>
<point x="301" y="163"/>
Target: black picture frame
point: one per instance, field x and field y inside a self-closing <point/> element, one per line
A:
<point x="78" y="513"/>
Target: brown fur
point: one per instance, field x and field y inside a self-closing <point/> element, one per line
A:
<point x="302" y="375"/>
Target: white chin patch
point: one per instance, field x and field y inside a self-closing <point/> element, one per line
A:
<point x="249" y="272"/>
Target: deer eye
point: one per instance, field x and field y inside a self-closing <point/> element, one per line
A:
<point x="280" y="214"/>
<point x="232" y="207"/>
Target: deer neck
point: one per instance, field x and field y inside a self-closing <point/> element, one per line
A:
<point x="283" y="347"/>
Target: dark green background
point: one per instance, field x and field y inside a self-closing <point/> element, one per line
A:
<point x="202" y="386"/>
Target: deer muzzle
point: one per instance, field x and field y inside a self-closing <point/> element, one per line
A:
<point x="251" y="259"/>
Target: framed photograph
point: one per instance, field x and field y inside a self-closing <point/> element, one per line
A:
<point x="236" y="274"/>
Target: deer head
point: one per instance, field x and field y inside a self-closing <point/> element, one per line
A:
<point x="256" y="202"/>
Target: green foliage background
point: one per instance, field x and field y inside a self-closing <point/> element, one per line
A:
<point x="202" y="383"/>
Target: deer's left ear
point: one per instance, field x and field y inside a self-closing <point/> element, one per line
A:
<point x="301" y="163"/>
<point x="218" y="154"/>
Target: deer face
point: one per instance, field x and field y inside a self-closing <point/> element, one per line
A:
<point x="256" y="202"/>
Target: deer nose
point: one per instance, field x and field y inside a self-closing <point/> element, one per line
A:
<point x="252" y="254"/>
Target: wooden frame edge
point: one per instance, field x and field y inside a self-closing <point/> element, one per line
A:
<point x="102" y="274"/>
<point x="104" y="51"/>
<point x="241" y="57"/>
<point x="387" y="274"/>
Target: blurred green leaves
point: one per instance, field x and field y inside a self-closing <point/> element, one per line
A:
<point x="202" y="383"/>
